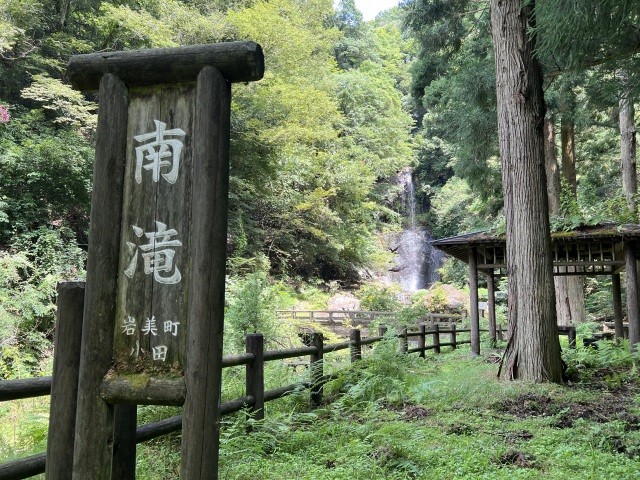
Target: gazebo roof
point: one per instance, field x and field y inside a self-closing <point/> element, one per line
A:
<point x="589" y="250"/>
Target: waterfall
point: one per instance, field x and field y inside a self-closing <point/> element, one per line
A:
<point x="417" y="261"/>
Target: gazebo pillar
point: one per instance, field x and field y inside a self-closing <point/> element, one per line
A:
<point x="633" y="310"/>
<point x="616" y="292"/>
<point x="491" y="301"/>
<point x="473" y="301"/>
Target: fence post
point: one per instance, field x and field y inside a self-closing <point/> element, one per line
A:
<point x="382" y="330"/>
<point x="356" y="345"/>
<point x="571" y="333"/>
<point x="435" y="328"/>
<point x="125" y="418"/>
<point x="422" y="339"/>
<point x="255" y="374"/>
<point x="453" y="336"/>
<point x="404" y="340"/>
<point x="317" y="368"/>
<point x="500" y="334"/>
<point x="64" y="385"/>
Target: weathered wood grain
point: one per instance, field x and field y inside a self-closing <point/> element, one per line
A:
<point x="24" y="388"/>
<point x="633" y="305"/>
<point x="355" y="338"/>
<point x="124" y="442"/>
<point x="94" y="420"/>
<point x="147" y="204"/>
<point x="237" y="61"/>
<point x="473" y="301"/>
<point x="616" y="293"/>
<point x="255" y="374"/>
<point x="316" y="366"/>
<point x="201" y="421"/>
<point x="64" y="386"/>
<point x="143" y="390"/>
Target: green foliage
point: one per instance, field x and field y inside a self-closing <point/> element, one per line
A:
<point x="28" y="278"/>
<point x="44" y="176"/>
<point x="250" y="307"/>
<point x="378" y="298"/>
<point x="385" y="375"/>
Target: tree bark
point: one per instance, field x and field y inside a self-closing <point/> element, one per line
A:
<point x="533" y="349"/>
<point x="551" y="165"/>
<point x="570" y="289"/>
<point x="628" y="145"/>
<point x="567" y="136"/>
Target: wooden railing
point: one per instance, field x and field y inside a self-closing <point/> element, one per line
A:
<point x="255" y="396"/>
<point x="359" y="317"/>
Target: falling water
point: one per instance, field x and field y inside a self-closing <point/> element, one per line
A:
<point x="418" y="262"/>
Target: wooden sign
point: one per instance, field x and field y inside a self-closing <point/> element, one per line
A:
<point x="154" y="303"/>
<point x="155" y="234"/>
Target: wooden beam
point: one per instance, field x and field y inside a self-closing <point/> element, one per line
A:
<point x="616" y="292"/>
<point x="94" y="420"/>
<point x="491" y="293"/>
<point x="473" y="301"/>
<point x="203" y="372"/>
<point x="64" y="386"/>
<point x="237" y="61"/>
<point x="633" y="310"/>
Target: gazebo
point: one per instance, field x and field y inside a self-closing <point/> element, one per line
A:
<point x="599" y="250"/>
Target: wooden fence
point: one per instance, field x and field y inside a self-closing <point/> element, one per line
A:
<point x="358" y="317"/>
<point x="255" y="396"/>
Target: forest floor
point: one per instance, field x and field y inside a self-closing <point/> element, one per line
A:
<point x="446" y="417"/>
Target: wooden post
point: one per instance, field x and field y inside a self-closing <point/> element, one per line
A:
<point x="500" y="334"/>
<point x="255" y="374"/>
<point x="382" y="330"/>
<point x="317" y="368"/>
<point x="422" y="339"/>
<point x="473" y="301"/>
<point x="124" y="442"/>
<point x="203" y="372"/>
<point x="436" y="337"/>
<point x="453" y="336"/>
<point x="633" y="308"/>
<point x="404" y="341"/>
<point x="94" y="420"/>
<point x="64" y="385"/>
<point x="571" y="334"/>
<point x="491" y="292"/>
<point x="356" y="345"/>
<point x="616" y="293"/>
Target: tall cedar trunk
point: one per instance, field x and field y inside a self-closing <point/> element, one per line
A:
<point x="628" y="146"/>
<point x="551" y="165"/>
<point x="533" y="349"/>
<point x="569" y="289"/>
<point x="564" y="309"/>
<point x="567" y="136"/>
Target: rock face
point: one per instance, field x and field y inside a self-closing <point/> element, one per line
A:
<point x="343" y="301"/>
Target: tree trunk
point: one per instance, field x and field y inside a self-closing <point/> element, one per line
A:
<point x="551" y="165"/>
<point x="533" y="349"/>
<point x="570" y="289"/>
<point x="628" y="145"/>
<point x="567" y="137"/>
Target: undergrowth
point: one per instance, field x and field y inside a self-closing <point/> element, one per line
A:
<point x="397" y="417"/>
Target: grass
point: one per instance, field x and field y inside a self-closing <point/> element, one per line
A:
<point x="443" y="417"/>
<point x="396" y="417"/>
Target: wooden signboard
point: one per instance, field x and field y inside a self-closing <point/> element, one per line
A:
<point x="155" y="233"/>
<point x="154" y="304"/>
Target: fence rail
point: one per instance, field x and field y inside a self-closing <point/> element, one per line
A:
<point x="362" y="317"/>
<point x="255" y="397"/>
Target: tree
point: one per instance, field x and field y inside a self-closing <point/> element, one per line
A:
<point x="533" y="349"/>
